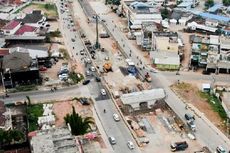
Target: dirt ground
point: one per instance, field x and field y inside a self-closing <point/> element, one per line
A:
<point x="62" y="108"/>
<point x="162" y="137"/>
<point x="33" y="6"/>
<point x="191" y="95"/>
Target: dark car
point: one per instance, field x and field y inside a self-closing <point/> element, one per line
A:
<point x="84" y="101"/>
<point x="98" y="79"/>
<point x="189" y="116"/>
<point x="179" y="146"/>
<point x="86" y="82"/>
<point x="206" y="72"/>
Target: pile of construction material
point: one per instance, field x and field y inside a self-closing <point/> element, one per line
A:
<point x="47" y="121"/>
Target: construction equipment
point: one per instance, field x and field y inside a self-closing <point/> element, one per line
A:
<point x="147" y="77"/>
<point x="107" y="67"/>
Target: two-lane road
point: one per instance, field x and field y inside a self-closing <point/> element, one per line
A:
<point x="206" y="133"/>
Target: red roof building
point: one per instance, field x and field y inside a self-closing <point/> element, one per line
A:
<point x="25" y="28"/>
<point x="4" y="51"/>
<point x="11" y="25"/>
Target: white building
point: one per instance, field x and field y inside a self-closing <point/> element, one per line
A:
<point x="139" y="12"/>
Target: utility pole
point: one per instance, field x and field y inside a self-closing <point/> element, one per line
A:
<point x="97" y="45"/>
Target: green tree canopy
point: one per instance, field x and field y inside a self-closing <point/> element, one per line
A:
<point x="6" y="137"/>
<point x="164" y="13"/>
<point x="79" y="125"/>
<point x="113" y="2"/>
<point x="226" y="2"/>
<point x="209" y="3"/>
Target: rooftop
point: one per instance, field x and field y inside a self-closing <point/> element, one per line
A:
<point x="56" y="140"/>
<point x="142" y="8"/>
<point x="214" y="17"/>
<point x="214" y="8"/>
<point x="33" y="17"/>
<point x="25" y="28"/>
<point x="34" y="53"/>
<point x="164" y="44"/>
<point x="142" y="96"/>
<point x="11" y="25"/>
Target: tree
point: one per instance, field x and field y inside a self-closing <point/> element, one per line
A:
<point x="164" y="13"/>
<point x="6" y="137"/>
<point x="209" y="3"/>
<point x="78" y="125"/>
<point x="113" y="2"/>
<point x="226" y="2"/>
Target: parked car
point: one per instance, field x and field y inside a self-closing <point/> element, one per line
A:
<point x="116" y="117"/>
<point x="63" y="77"/>
<point x="64" y="71"/>
<point x="86" y="82"/>
<point x="84" y="101"/>
<point x="191" y="125"/>
<point x="112" y="140"/>
<point x="130" y="145"/>
<point x="87" y="73"/>
<point x="43" y="68"/>
<point x="103" y="92"/>
<point x="73" y="40"/>
<point x="82" y="52"/>
<point x="179" y="146"/>
<point x="92" y="68"/>
<point x="220" y="149"/>
<point x="98" y="79"/>
<point x="189" y="117"/>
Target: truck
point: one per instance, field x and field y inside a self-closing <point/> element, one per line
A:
<point x="179" y="146"/>
<point x="104" y="34"/>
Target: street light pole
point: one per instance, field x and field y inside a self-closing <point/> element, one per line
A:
<point x="97" y="45"/>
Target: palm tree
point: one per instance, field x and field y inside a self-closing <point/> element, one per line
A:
<point x="78" y="125"/>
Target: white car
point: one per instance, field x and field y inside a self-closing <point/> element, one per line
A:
<point x="63" y="76"/>
<point x="130" y="145"/>
<point x="116" y="117"/>
<point x="87" y="73"/>
<point x="93" y="69"/>
<point x="103" y="92"/>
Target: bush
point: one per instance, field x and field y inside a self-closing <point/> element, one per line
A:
<point x="33" y="112"/>
<point x="76" y="77"/>
<point x="26" y="88"/>
<point x="226" y="2"/>
<point x="64" y="52"/>
<point x="215" y="104"/>
<point x="56" y="33"/>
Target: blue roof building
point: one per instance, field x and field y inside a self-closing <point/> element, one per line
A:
<point x="214" y="8"/>
<point x="219" y="18"/>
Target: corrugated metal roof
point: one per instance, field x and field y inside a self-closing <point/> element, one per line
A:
<point x="215" y="17"/>
<point x="142" y="96"/>
<point x="215" y="8"/>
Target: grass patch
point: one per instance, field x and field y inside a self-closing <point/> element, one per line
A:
<point x="33" y="112"/>
<point x="215" y="104"/>
<point x="65" y="53"/>
<point x="55" y="33"/>
<point x="76" y="77"/>
<point x="48" y="9"/>
<point x="26" y="88"/>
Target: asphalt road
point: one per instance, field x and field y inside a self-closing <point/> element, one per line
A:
<point x="112" y="128"/>
<point x="47" y="95"/>
<point x="207" y="134"/>
<point x="119" y="130"/>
